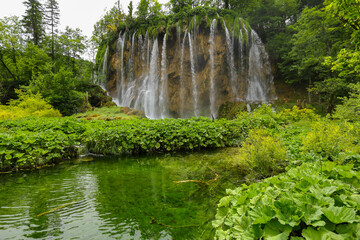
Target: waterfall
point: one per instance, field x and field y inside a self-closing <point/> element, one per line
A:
<point x="182" y="83"/>
<point x="163" y="100"/>
<point x="259" y="71"/>
<point x="189" y="73"/>
<point x="151" y="96"/>
<point x="129" y="94"/>
<point x="122" y="75"/>
<point x="241" y="47"/>
<point x="105" y="66"/>
<point x="193" y="77"/>
<point x="230" y="60"/>
<point x="119" y="81"/>
<point x="212" y="94"/>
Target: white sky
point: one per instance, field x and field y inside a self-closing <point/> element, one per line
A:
<point x="81" y="14"/>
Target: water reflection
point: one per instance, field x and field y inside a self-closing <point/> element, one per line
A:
<point x="112" y="198"/>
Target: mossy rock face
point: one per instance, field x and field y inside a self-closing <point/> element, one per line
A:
<point x="230" y="110"/>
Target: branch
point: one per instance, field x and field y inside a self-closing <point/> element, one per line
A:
<point x="6" y="67"/>
<point x="199" y="181"/>
<point x="60" y="207"/>
<point x="153" y="221"/>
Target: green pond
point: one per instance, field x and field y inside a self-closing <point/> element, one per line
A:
<point x="116" y="198"/>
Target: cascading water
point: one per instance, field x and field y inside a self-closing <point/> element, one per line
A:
<point x="230" y="59"/>
<point x="184" y="77"/>
<point x="163" y="100"/>
<point x="128" y="97"/>
<point x="182" y="84"/>
<point x="212" y="94"/>
<point x="193" y="77"/>
<point x="151" y="96"/>
<point x="259" y="68"/>
<point x="122" y="72"/>
<point x="105" y="66"/>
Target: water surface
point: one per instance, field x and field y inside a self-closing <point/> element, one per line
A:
<point x="115" y="198"/>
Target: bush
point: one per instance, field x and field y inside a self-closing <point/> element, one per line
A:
<point x="140" y="136"/>
<point x="295" y="114"/>
<point x="28" y="104"/>
<point x="24" y="149"/>
<point x="303" y="204"/>
<point x="350" y="109"/>
<point x="331" y="140"/>
<point x="262" y="154"/>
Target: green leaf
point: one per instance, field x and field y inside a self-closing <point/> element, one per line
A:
<point x="287" y="212"/>
<point x="262" y="214"/>
<point x="276" y="231"/>
<point x="340" y="214"/>
<point x="321" y="234"/>
<point x="311" y="214"/>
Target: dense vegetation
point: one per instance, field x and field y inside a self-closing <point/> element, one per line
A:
<point x="302" y="170"/>
<point x="313" y="45"/>
<point x="36" y="57"/>
<point x="318" y="195"/>
<point x="28" y="143"/>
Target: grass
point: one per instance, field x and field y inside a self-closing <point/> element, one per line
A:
<point x="110" y="113"/>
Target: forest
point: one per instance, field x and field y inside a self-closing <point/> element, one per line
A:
<point x="281" y="169"/>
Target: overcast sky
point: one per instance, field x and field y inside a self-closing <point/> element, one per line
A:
<point x="81" y="14"/>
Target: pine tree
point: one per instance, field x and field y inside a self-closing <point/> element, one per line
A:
<point x="52" y="19"/>
<point x="33" y="20"/>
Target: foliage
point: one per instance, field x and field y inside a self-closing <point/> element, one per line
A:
<point x="262" y="154"/>
<point x="265" y="116"/>
<point x="43" y="61"/>
<point x="33" y="20"/>
<point x="301" y="204"/>
<point x="331" y="140"/>
<point x="350" y="109"/>
<point x="346" y="10"/>
<point x="139" y="136"/>
<point x="126" y="136"/>
<point x="28" y="104"/>
<point x="22" y="149"/>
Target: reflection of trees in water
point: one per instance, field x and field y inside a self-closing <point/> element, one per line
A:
<point x="134" y="198"/>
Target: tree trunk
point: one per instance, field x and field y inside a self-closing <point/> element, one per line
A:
<point x="330" y="106"/>
<point x="309" y="93"/>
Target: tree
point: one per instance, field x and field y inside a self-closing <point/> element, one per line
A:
<point x="74" y="44"/>
<point x="10" y="48"/>
<point x="347" y="10"/>
<point x="131" y="9"/>
<point x="317" y="36"/>
<point x="180" y="5"/>
<point x="154" y="9"/>
<point x="143" y="10"/>
<point x="33" y="20"/>
<point x="52" y="18"/>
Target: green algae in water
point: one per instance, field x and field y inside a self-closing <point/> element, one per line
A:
<point x="115" y="198"/>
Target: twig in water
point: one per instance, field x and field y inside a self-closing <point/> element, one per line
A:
<point x="60" y="207"/>
<point x="199" y="181"/>
<point x="153" y="221"/>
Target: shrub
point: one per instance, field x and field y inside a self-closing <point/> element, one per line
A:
<point x="28" y="104"/>
<point x="139" y="136"/>
<point x="350" y="109"/>
<point x="331" y="140"/>
<point x="262" y="154"/>
<point x="295" y="114"/>
<point x="303" y="204"/>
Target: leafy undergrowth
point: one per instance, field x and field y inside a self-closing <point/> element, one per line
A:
<point x="305" y="203"/>
<point x="111" y="113"/>
<point x="28" y="104"/>
<point x="141" y="136"/>
<point x="32" y="142"/>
